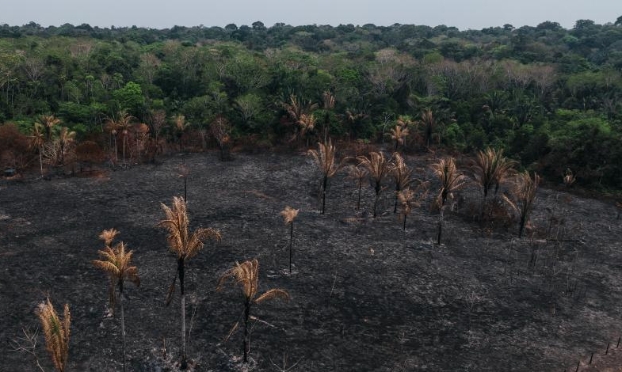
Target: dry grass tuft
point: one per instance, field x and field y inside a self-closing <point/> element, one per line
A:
<point x="289" y="215"/>
<point x="56" y="333"/>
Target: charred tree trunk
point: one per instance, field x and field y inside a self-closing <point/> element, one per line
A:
<point x="247" y="341"/>
<point x="181" y="272"/>
<point x="122" y="320"/>
<point x="291" y="240"/>
<point x="324" y="185"/>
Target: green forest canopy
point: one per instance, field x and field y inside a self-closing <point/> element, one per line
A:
<point x="550" y="96"/>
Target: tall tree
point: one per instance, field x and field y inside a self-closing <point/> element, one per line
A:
<point x="116" y="262"/>
<point x="325" y="159"/>
<point x="378" y="168"/>
<point x="402" y="175"/>
<point x="451" y="180"/>
<point x="289" y="215"/>
<point x="246" y="275"/>
<point x="185" y="245"/>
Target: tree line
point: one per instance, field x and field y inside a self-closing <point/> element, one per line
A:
<point x="549" y="96"/>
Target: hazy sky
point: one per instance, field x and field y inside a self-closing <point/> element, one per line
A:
<point x="464" y="14"/>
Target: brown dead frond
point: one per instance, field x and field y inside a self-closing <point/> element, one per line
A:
<point x="246" y="275"/>
<point x="411" y="198"/>
<point x="451" y="179"/>
<point x="289" y="214"/>
<point x="116" y="262"/>
<point x="402" y="173"/>
<point x="398" y="135"/>
<point x="326" y="158"/>
<point x="328" y="100"/>
<point x="180" y="240"/>
<point x="376" y="165"/>
<point x="56" y="332"/>
<point x="108" y="236"/>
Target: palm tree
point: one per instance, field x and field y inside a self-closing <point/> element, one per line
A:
<point x="429" y="125"/>
<point x="410" y="199"/>
<point x="37" y="140"/>
<point x="358" y="174"/>
<point x="56" y="333"/>
<point x="65" y="139"/>
<point x="399" y="132"/>
<point x="180" y="125"/>
<point x="299" y="113"/>
<point x="451" y="180"/>
<point x="246" y="275"/>
<point x="116" y="262"/>
<point x="184" y="172"/>
<point x="378" y="168"/>
<point x="402" y="174"/>
<point x="185" y="245"/>
<point x="122" y="124"/>
<point x="289" y="215"/>
<point x="48" y="122"/>
<point x="325" y="159"/>
<point x="490" y="169"/>
<point x="523" y="191"/>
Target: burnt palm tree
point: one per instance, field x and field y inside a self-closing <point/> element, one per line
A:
<point x="66" y="139"/>
<point x="429" y="125"/>
<point x="289" y="215"/>
<point x="523" y="192"/>
<point x="183" y="172"/>
<point x="116" y="262"/>
<point x="399" y="133"/>
<point x="358" y="174"/>
<point x="402" y="175"/>
<point x="37" y="140"/>
<point x="490" y="169"/>
<point x="180" y="125"/>
<point x="451" y="180"/>
<point x="246" y="275"/>
<point x="122" y="124"/>
<point x="378" y="168"/>
<point x="326" y="160"/>
<point x="410" y="199"/>
<point x="185" y="245"/>
<point x="56" y="332"/>
<point x="48" y="122"/>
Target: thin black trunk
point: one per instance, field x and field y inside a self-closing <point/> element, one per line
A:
<point x="185" y="188"/>
<point x="405" y="222"/>
<point x="397" y="191"/>
<point x="181" y="272"/>
<point x="122" y="319"/>
<point x="440" y="227"/>
<point x="521" y="226"/>
<point x="291" y="240"/>
<point x="377" y="188"/>
<point x="324" y="185"/>
<point x="358" y="202"/>
<point x="247" y="341"/>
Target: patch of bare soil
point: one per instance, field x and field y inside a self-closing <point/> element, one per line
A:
<point x="366" y="296"/>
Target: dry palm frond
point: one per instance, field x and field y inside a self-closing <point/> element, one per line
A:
<point x="306" y="123"/>
<point x="246" y="275"/>
<point x="289" y="214"/>
<point x="108" y="236"/>
<point x="376" y="165"/>
<point x="122" y="123"/>
<point x="179" y="122"/>
<point x="56" y="333"/>
<point x="326" y="159"/>
<point x="273" y="294"/>
<point x="402" y="173"/>
<point x="116" y="263"/>
<point x="451" y="179"/>
<point x="357" y="174"/>
<point x="37" y="138"/>
<point x="410" y="199"/>
<point x="177" y="223"/>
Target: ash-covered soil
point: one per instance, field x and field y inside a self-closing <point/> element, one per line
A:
<point x="365" y="295"/>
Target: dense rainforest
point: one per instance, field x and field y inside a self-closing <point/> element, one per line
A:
<point x="549" y="96"/>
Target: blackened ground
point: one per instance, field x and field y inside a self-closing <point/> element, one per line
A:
<point x="366" y="296"/>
